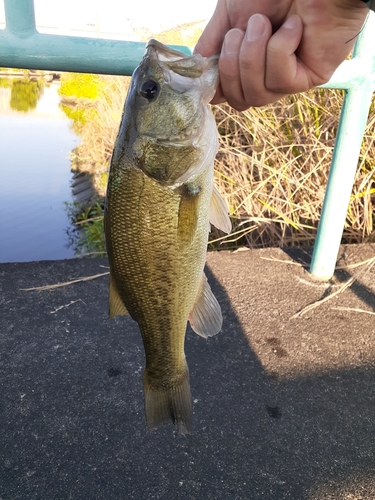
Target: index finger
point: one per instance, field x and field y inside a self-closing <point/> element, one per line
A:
<point x="212" y="38"/>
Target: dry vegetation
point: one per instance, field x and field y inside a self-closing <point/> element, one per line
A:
<point x="272" y="165"/>
<point x="98" y="130"/>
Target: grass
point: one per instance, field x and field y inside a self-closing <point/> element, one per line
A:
<point x="88" y="227"/>
<point x="272" y="166"/>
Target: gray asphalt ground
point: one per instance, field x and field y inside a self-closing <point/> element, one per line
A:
<point x="284" y="408"/>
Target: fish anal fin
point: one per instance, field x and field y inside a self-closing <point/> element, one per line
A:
<point x="169" y="402"/>
<point x="116" y="305"/>
<point x="205" y="318"/>
<point x="219" y="212"/>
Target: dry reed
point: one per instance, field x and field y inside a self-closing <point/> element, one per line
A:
<point x="272" y="166"/>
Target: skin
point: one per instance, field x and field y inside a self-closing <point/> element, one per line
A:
<point x="271" y="48"/>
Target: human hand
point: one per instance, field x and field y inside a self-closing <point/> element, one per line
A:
<point x="271" y="48"/>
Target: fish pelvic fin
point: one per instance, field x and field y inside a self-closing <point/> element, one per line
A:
<point x="165" y="402"/>
<point x="219" y="212"/>
<point x="205" y="318"/>
<point x="116" y="305"/>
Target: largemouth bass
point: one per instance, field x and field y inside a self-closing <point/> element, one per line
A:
<point x="160" y="203"/>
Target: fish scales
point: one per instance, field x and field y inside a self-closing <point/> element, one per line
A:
<point x="161" y="277"/>
<point x="157" y="223"/>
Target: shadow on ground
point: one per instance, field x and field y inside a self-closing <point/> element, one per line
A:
<point x="282" y="409"/>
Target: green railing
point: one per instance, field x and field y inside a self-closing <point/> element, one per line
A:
<point x="22" y="46"/>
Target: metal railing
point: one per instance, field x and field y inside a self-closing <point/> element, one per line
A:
<point x="357" y="78"/>
<point x="22" y="46"/>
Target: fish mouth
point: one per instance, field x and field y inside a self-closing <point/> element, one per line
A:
<point x="164" y="53"/>
<point x="191" y="66"/>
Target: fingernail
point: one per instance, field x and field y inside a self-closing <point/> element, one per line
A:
<point x="255" y="28"/>
<point x="232" y="41"/>
<point x="291" y="23"/>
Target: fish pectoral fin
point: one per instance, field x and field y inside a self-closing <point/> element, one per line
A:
<point x="219" y="212"/>
<point x="205" y="318"/>
<point x="116" y="305"/>
<point x="188" y="213"/>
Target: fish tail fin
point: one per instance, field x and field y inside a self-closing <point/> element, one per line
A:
<point x="169" y="402"/>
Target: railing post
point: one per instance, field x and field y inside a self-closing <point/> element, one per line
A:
<point x="20" y="17"/>
<point x="349" y="138"/>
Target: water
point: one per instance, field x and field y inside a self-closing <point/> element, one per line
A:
<point x="34" y="178"/>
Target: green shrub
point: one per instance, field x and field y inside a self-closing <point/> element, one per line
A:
<point x="80" y="86"/>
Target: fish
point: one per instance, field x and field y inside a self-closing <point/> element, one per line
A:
<point x="160" y="203"/>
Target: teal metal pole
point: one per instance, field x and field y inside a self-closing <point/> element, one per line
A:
<point x="22" y="46"/>
<point x="20" y="17"/>
<point x="350" y="133"/>
<point x="340" y="182"/>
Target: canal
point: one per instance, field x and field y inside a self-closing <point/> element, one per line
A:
<point x="36" y="141"/>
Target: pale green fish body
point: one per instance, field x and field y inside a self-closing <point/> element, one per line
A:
<point x="160" y="203"/>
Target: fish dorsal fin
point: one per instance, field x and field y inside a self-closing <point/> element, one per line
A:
<point x="116" y="305"/>
<point x="219" y="212"/>
<point x="205" y="318"/>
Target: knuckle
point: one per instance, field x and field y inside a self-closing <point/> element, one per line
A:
<point x="246" y="65"/>
<point x="239" y="105"/>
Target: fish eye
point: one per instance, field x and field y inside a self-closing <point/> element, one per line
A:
<point x="149" y="89"/>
